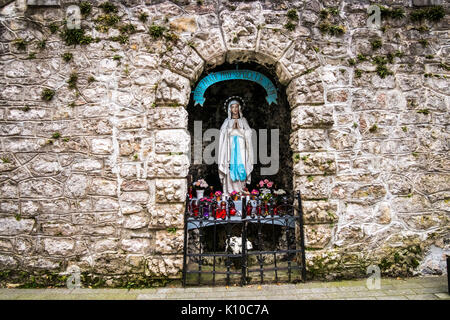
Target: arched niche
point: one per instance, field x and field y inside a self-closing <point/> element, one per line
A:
<point x="259" y="114"/>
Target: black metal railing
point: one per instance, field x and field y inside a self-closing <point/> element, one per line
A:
<point x="239" y="241"/>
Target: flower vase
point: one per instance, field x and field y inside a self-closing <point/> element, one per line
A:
<point x="200" y="193"/>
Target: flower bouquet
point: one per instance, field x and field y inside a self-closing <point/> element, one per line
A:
<point x="200" y="186"/>
<point x="279" y="193"/>
<point x="280" y="207"/>
<point x="218" y="196"/>
<point x="265" y="183"/>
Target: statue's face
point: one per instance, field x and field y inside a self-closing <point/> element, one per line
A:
<point x="235" y="109"/>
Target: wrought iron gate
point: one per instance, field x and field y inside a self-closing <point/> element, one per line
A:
<point x="218" y="246"/>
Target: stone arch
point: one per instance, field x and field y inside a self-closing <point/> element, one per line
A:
<point x="241" y="37"/>
<point x="310" y="87"/>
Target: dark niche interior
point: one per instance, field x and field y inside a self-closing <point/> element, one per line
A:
<point x="259" y="114"/>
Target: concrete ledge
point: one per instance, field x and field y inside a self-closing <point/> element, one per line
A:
<point x="44" y="3"/>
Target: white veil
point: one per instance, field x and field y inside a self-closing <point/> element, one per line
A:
<point x="224" y="153"/>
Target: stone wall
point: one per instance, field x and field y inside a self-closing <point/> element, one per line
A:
<point x="93" y="169"/>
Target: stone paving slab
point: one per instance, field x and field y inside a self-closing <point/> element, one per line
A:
<point x="426" y="288"/>
<point x="422" y="297"/>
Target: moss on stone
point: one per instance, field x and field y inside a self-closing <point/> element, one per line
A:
<point x="75" y="36"/>
<point x="20" y="44"/>
<point x="85" y="8"/>
<point x="47" y="94"/>
<point x="156" y="31"/>
<point x="292" y="14"/>
<point x="433" y="14"/>
<point x="108" y="7"/>
<point x="51" y="279"/>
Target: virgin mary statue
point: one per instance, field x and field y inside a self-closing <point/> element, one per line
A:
<point x="235" y="156"/>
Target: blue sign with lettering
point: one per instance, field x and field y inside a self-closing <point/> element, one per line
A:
<point x="249" y="75"/>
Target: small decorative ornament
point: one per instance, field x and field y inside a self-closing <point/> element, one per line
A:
<point x="218" y="196"/>
<point x="194" y="208"/>
<point x="222" y="212"/>
<point x="254" y="194"/>
<point x="73" y="17"/>
<point x="205" y="203"/>
<point x="234" y="195"/>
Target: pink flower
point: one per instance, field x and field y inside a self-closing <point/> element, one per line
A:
<point x="261" y="183"/>
<point x="266" y="181"/>
<point x="269" y="184"/>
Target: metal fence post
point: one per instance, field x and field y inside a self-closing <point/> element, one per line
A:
<point x="186" y="209"/>
<point x="302" y="235"/>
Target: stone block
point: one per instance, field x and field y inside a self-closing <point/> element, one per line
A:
<point x="317" y="236"/>
<point x="105" y="204"/>
<point x="168" y="166"/>
<point x="423" y="222"/>
<point x="136" y="221"/>
<point x="311" y="117"/>
<point x="368" y="194"/>
<point x="432" y="182"/>
<point x="103" y="187"/>
<point x="210" y="45"/>
<point x="304" y="140"/>
<point x="166" y="215"/>
<point x="173" y="141"/>
<point x="169" y="242"/>
<point x="40" y="188"/>
<point x="58" y="246"/>
<point x="297" y="60"/>
<point x="167" y="118"/>
<point x="136" y="245"/>
<point x="182" y="59"/>
<point x="86" y="164"/>
<point x="134" y="185"/>
<point x="9" y="189"/>
<point x="411" y="203"/>
<point x="306" y="89"/>
<point x="76" y="186"/>
<point x="8" y="262"/>
<point x="129" y="147"/>
<point x="338" y="96"/>
<point x="104" y="245"/>
<point x="45" y="164"/>
<point x="336" y="77"/>
<point x="171" y="190"/>
<point x="134" y="196"/>
<point x="10" y="226"/>
<point x="240" y="29"/>
<point x="313" y="187"/>
<point x="58" y="228"/>
<point x="172" y="90"/>
<point x="272" y="43"/>
<point x="170" y="266"/>
<point x="315" y="163"/>
<point x="383" y="213"/>
<point x="102" y="145"/>
<point x="343" y="139"/>
<point x="319" y="212"/>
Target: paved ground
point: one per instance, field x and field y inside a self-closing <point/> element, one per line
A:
<point x="425" y="288"/>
